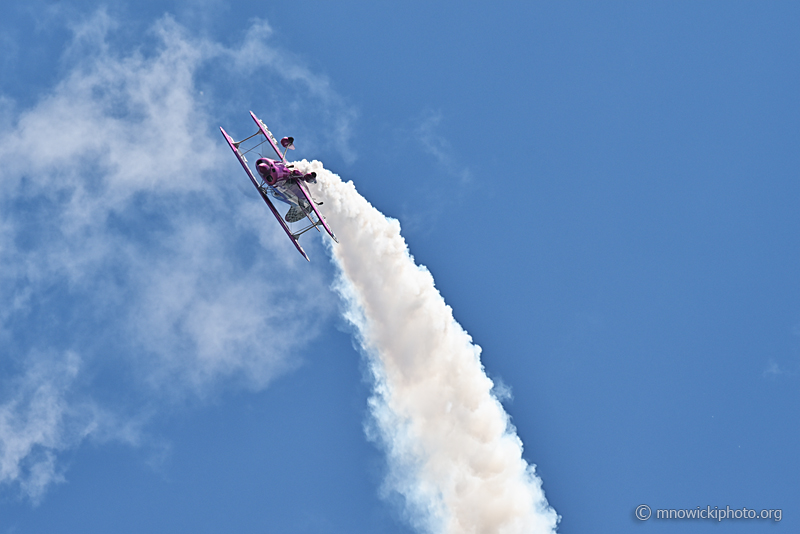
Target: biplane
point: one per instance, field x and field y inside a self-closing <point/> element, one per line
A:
<point x="279" y="180"/>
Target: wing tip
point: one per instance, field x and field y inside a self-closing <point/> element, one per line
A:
<point x="300" y="249"/>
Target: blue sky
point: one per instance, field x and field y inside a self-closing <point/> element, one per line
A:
<point x="607" y="197"/>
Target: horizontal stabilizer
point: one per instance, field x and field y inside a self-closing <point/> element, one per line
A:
<point x="295" y="214"/>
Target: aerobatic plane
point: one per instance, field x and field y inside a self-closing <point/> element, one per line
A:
<point x="281" y="181"/>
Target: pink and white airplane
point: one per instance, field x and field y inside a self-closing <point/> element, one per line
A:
<point x="282" y="182"/>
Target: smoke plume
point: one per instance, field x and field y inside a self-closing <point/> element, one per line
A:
<point x="454" y="456"/>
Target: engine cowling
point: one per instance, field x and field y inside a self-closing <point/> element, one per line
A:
<point x="268" y="171"/>
<point x="273" y="172"/>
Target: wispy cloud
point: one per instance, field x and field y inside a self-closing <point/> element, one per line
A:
<point x="122" y="239"/>
<point x="300" y="92"/>
<point x="773" y="369"/>
<point x="434" y="143"/>
<point x="36" y="419"/>
<point x="449" y="178"/>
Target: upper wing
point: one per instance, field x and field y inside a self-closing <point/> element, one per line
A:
<point x="274" y="211"/>
<point x="268" y="135"/>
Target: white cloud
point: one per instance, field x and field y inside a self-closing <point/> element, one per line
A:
<point x="297" y="84"/>
<point x="784" y="369"/>
<point x="202" y="318"/>
<point x="772" y="369"/>
<point x="427" y="133"/>
<point x="36" y="421"/>
<point x="122" y="239"/>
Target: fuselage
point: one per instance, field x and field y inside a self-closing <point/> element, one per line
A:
<point x="274" y="172"/>
<point x="282" y="180"/>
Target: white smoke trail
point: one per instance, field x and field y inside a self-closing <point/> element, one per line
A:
<point x="454" y="455"/>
